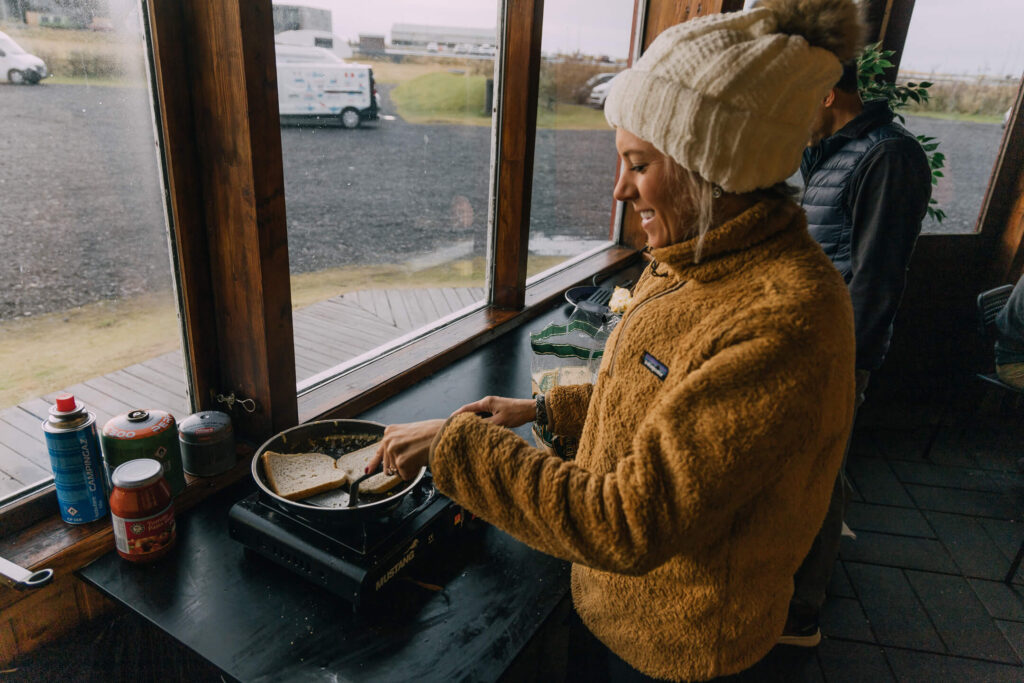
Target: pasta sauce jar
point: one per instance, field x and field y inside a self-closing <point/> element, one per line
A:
<point x="142" y="511"/>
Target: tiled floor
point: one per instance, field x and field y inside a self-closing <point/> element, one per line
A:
<point x="919" y="594"/>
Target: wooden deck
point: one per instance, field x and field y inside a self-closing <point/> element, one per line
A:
<point x="326" y="334"/>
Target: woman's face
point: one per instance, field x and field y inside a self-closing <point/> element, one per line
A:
<point x="646" y="184"/>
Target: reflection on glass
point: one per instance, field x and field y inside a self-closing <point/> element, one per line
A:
<point x="386" y="136"/>
<point x="974" y="61"/>
<point x="585" y="44"/>
<point x="86" y="299"/>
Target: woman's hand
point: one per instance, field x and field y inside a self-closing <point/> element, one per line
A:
<point x="405" y="448"/>
<point x="506" y="412"/>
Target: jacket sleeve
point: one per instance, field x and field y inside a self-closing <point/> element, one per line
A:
<point x="707" y="445"/>
<point x="889" y="196"/>
<point x="567" y="408"/>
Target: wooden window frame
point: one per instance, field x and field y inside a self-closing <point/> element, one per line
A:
<point x="214" y="79"/>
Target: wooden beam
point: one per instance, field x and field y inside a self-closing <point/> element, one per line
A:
<point x="180" y="160"/>
<point x="517" y="132"/>
<point x="664" y="13"/>
<point x="888" y="23"/>
<point x="1002" y="214"/>
<point x="225" y="148"/>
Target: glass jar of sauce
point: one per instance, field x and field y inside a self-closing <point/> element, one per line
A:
<point x="142" y="511"/>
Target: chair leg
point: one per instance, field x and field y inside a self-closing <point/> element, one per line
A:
<point x="1015" y="565"/>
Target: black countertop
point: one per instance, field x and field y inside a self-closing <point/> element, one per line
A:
<point x="256" y="621"/>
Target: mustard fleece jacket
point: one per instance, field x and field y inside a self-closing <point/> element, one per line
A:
<point x="709" y="446"/>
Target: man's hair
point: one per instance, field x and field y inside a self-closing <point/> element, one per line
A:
<point x="848" y="81"/>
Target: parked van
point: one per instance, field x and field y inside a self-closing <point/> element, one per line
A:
<point x="18" y="66"/>
<point x="314" y="83"/>
<point x="310" y="38"/>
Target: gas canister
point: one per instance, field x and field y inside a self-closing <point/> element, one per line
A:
<point x="144" y="434"/>
<point x="207" y="443"/>
<point x="70" y="433"/>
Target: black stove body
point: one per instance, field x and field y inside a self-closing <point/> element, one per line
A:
<point x="354" y="560"/>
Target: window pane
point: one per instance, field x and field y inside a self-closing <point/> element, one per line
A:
<point x="974" y="59"/>
<point x="86" y="298"/>
<point x="387" y="195"/>
<point x="585" y="43"/>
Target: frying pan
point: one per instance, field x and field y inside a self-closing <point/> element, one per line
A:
<point x="335" y="438"/>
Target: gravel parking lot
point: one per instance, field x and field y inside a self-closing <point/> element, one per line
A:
<point x="81" y="216"/>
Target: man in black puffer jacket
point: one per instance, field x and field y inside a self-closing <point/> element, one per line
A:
<point x="867" y="189"/>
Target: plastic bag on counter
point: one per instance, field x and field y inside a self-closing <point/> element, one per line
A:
<point x="566" y="354"/>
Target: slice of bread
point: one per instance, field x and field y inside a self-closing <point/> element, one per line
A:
<point x="380" y="483"/>
<point x="299" y="475"/>
<point x="354" y="464"/>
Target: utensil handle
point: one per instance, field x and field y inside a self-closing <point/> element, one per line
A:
<point x="21" y="578"/>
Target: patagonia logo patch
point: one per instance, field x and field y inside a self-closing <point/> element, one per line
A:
<point x="659" y="369"/>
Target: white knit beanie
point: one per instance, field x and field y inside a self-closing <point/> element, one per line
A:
<point x="733" y="96"/>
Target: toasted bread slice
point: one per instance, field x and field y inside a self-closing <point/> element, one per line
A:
<point x="380" y="483"/>
<point x="354" y="464"/>
<point x="299" y="475"/>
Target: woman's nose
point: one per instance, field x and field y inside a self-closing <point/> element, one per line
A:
<point x="624" y="188"/>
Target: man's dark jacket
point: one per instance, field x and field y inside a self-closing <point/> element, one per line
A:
<point x="867" y="190"/>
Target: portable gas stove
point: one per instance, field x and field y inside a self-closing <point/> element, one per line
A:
<point x="354" y="560"/>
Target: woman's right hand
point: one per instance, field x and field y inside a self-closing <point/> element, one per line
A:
<point x="506" y="412"/>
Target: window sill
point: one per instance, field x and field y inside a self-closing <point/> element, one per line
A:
<point x="358" y="390"/>
<point x="64" y="548"/>
<point x="51" y="543"/>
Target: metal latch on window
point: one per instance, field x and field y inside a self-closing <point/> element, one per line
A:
<point x="248" y="405"/>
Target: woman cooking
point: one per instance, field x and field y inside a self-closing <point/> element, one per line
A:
<point x="710" y="442"/>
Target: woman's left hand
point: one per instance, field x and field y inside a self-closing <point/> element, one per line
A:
<point x="405" y="448"/>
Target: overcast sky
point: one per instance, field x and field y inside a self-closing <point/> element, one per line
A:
<point x="946" y="36"/>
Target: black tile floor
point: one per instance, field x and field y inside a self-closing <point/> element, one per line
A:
<point x="937" y="510"/>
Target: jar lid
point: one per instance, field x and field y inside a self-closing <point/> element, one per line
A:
<point x="208" y="426"/>
<point x="137" y="473"/>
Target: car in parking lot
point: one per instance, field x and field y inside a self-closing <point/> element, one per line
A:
<point x="583" y="92"/>
<point x="18" y="66"/>
<point x="599" y="94"/>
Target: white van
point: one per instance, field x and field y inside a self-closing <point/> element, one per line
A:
<point x="314" y="83"/>
<point x="18" y="66"/>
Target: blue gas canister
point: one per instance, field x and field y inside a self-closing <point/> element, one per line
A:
<point x="76" y="461"/>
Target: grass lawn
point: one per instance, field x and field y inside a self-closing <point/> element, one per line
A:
<point x="953" y="116"/>
<point x="45" y="353"/>
<point x="458" y="98"/>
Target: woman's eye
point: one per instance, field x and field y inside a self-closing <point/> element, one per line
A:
<point x="639" y="168"/>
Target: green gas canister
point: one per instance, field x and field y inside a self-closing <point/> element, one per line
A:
<point x="144" y="434"/>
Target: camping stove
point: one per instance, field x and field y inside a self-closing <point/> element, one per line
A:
<point x="355" y="560"/>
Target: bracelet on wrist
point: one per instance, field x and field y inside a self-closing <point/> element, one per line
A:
<point x="541" y="419"/>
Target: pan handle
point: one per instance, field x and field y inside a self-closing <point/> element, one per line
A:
<point x="353" y="489"/>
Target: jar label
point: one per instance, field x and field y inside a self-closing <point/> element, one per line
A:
<point x="145" y="535"/>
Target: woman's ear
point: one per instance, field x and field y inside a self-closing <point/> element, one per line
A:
<point x="830" y="98"/>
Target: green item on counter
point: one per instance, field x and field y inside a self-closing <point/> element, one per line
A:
<point x="144" y="434"/>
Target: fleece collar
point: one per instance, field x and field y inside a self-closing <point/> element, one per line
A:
<point x="726" y="246"/>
